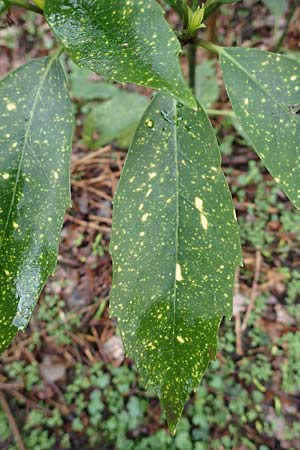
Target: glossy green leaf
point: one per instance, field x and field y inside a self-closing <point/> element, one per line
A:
<point x="115" y="119"/>
<point x="264" y="90"/>
<point x="206" y="86"/>
<point x="35" y="145"/>
<point x="175" y="248"/>
<point x="125" y="41"/>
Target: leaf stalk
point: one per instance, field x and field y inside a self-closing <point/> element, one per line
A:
<point x="208" y="46"/>
<point x="216" y="112"/>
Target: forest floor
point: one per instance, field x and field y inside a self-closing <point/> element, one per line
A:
<point x="66" y="384"/>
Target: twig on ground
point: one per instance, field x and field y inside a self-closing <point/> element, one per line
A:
<point x="12" y="423"/>
<point x="94" y="218"/>
<point x="9" y="386"/>
<point x="90" y="156"/>
<point x="87" y="224"/>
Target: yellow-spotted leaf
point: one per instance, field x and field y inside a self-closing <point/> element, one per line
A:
<point x="175" y="249"/>
<point x="127" y="41"/>
<point x="35" y="145"/>
<point x="264" y="90"/>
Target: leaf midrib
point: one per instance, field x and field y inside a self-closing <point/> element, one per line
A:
<point x="176" y="226"/>
<point x="25" y="143"/>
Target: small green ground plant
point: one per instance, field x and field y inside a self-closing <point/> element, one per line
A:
<point x="175" y="242"/>
<point x="238" y="403"/>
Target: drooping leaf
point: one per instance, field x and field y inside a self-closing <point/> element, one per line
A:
<point x="116" y="118"/>
<point x="264" y="88"/>
<point x="35" y="145"/>
<point x="125" y="41"/>
<point x="175" y="248"/>
<point x="206" y="86"/>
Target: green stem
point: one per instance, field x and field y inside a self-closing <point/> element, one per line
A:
<point x="216" y="112"/>
<point x="24" y="4"/>
<point x="286" y="28"/>
<point x="192" y="66"/>
<point x="208" y="46"/>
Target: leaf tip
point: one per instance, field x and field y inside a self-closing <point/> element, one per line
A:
<point x="172" y="428"/>
<point x="173" y="402"/>
<point x="173" y="418"/>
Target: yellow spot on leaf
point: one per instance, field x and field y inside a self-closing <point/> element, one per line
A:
<point x="180" y="339"/>
<point x="204" y="222"/>
<point x="148" y="192"/>
<point x="199" y="204"/>
<point x="11" y="106"/>
<point x="203" y="218"/>
<point x="178" y="273"/>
